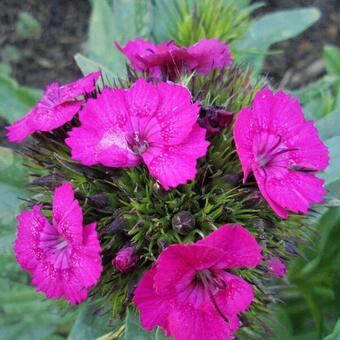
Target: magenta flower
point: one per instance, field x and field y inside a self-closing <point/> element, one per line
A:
<point x="146" y="123"/>
<point x="57" y="106"/>
<point x="125" y="259"/>
<point x="276" y="266"/>
<point x="189" y="294"/>
<point x="283" y="150"/>
<point x="168" y="58"/>
<point x="63" y="257"/>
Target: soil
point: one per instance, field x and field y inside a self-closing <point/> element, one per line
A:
<point x="48" y="57"/>
<point x="300" y="60"/>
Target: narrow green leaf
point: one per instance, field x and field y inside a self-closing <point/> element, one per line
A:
<point x="332" y="59"/>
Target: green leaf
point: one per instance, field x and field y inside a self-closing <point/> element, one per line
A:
<point x="119" y="21"/>
<point x="332" y="59"/>
<point x="87" y="66"/>
<point x="328" y="245"/>
<point x="15" y="100"/>
<point x="315" y="97"/>
<point x="273" y="28"/>
<point x="328" y="126"/>
<point x="134" y="330"/>
<point x="12" y="180"/>
<point x="336" y="332"/>
<point x="92" y="322"/>
<point x="332" y="173"/>
<point x="27" y="26"/>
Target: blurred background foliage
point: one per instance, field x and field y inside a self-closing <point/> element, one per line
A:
<point x="310" y="293"/>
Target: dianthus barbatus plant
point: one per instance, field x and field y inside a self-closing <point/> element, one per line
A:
<point x="179" y="190"/>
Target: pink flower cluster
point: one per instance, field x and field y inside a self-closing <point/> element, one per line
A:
<point x="189" y="293"/>
<point x="171" y="60"/>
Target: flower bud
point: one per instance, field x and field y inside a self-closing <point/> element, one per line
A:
<point x="125" y="259"/>
<point x="100" y="200"/>
<point x="214" y="118"/>
<point x="116" y="226"/>
<point x="47" y="181"/>
<point x="183" y="222"/>
<point x="276" y="266"/>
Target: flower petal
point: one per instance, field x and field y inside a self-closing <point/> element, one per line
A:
<point x="209" y="54"/>
<point x="154" y="308"/>
<point x="67" y="214"/>
<point x="188" y="323"/>
<point x="179" y="263"/>
<point x="240" y="246"/>
<point x="165" y="162"/>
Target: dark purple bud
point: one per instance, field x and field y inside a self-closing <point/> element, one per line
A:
<point x="233" y="179"/>
<point x="125" y="259"/>
<point x="47" y="181"/>
<point x="183" y="222"/>
<point x="215" y="118"/>
<point x="290" y="246"/>
<point x="100" y="200"/>
<point x="116" y="226"/>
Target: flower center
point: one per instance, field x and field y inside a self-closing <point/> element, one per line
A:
<point x="138" y="144"/>
<point x="212" y="282"/>
<point x="268" y="148"/>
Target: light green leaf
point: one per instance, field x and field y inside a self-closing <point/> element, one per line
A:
<point x="92" y="322"/>
<point x="332" y="59"/>
<point x="118" y="20"/>
<point x="12" y="180"/>
<point x="15" y="100"/>
<point x="333" y="172"/>
<point x="329" y="125"/>
<point x="317" y="98"/>
<point x="336" y="332"/>
<point x="134" y="330"/>
<point x="87" y="66"/>
<point x="273" y="28"/>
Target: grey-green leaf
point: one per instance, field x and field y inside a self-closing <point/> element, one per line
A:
<point x="273" y="28"/>
<point x="12" y="181"/>
<point x="92" y="322"/>
<point x="15" y="100"/>
<point x="336" y="332"/>
<point x="134" y="330"/>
